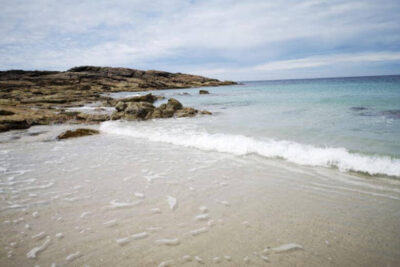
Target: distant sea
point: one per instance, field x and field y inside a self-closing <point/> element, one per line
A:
<point x="352" y="124"/>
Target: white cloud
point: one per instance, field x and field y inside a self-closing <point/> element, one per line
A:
<point x="318" y="61"/>
<point x="278" y="69"/>
<point x="60" y="34"/>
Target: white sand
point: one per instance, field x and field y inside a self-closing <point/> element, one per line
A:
<point x="204" y="207"/>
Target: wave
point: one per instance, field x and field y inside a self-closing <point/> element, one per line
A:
<point x="190" y="136"/>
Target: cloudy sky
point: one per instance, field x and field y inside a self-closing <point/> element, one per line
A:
<point x="226" y="39"/>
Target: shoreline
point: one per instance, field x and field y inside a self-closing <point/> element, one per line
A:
<point x="123" y="208"/>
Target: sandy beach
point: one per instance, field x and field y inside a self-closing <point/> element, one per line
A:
<point x="121" y="201"/>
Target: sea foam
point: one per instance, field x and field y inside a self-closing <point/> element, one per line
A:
<point x="293" y="152"/>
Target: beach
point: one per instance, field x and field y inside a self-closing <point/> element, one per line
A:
<point x="211" y="190"/>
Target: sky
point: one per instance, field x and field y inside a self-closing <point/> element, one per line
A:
<point x="224" y="39"/>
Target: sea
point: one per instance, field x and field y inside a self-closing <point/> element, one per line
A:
<point x="352" y="124"/>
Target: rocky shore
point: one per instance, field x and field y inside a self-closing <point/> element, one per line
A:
<point x="30" y="98"/>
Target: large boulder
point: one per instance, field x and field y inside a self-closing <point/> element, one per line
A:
<point x="138" y="110"/>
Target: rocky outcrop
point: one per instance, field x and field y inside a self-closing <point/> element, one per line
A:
<point x="136" y="108"/>
<point x="77" y="133"/>
<point x="39" y="97"/>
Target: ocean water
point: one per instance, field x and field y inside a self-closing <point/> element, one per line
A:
<point x="352" y="124"/>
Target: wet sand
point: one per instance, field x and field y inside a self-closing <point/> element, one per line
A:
<point x="110" y="200"/>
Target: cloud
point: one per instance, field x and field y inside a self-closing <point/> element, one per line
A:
<point x="318" y="61"/>
<point x="192" y="35"/>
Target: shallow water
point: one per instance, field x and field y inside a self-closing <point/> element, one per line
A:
<point x="116" y="200"/>
<point x="354" y="120"/>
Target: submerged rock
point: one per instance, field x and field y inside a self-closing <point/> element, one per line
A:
<point x="203" y="92"/>
<point x="77" y="133"/>
<point x="358" y="108"/>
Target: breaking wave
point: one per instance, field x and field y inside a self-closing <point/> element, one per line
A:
<point x="293" y="152"/>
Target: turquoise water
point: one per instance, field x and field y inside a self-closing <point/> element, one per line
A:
<point x="350" y="123"/>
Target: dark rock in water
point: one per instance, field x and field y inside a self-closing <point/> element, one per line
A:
<point x="186" y="112"/>
<point x="203" y="92"/>
<point x="392" y="114"/>
<point x="205" y="112"/>
<point x="173" y="104"/>
<point x="36" y="133"/>
<point x="358" y="108"/>
<point x="4" y="112"/>
<point x="77" y="133"/>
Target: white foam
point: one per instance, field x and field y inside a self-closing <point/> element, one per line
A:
<point x="110" y="223"/>
<point x="39" y="236"/>
<point x="287" y="248"/>
<point x="156" y="210"/>
<point x="168" y="242"/>
<point x="125" y="240"/>
<point x="73" y="256"/>
<point x="139" y="195"/>
<point x="223" y="202"/>
<point x="265" y="258"/>
<point x="243" y="145"/>
<point x="121" y="205"/>
<point x="202" y="217"/>
<point x="166" y="263"/>
<point x="32" y="254"/>
<point x="59" y="235"/>
<point x="198" y="259"/>
<point x="199" y="231"/>
<point x="85" y="214"/>
<point x="172" y="202"/>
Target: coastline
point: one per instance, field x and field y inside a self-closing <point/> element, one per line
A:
<point x="216" y="207"/>
<point x="43" y="97"/>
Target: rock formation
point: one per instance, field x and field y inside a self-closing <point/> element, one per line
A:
<point x="142" y="108"/>
<point x="40" y="97"/>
